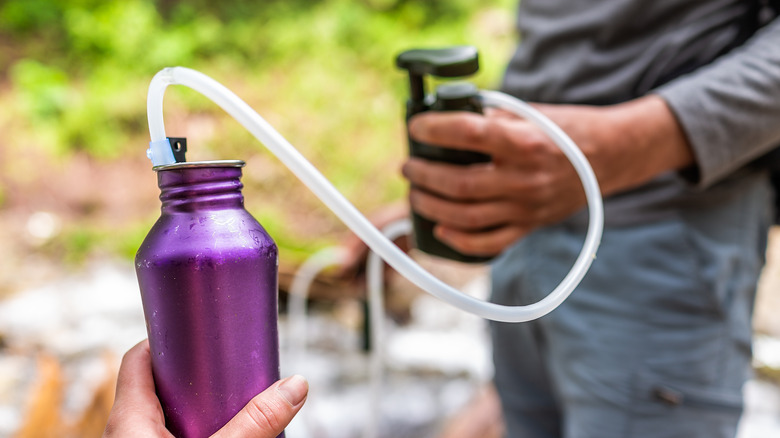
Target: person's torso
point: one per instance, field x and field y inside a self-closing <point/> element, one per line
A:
<point x="600" y="52"/>
<point x="609" y="51"/>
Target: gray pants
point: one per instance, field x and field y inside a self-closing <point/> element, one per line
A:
<point x="655" y="342"/>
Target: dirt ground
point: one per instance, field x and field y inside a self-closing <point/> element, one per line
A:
<point x="44" y="201"/>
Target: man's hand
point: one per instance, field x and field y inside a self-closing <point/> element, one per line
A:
<point x="481" y="209"/>
<point x="137" y="412"/>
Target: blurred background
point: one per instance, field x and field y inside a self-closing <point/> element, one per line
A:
<point x="77" y="193"/>
<point x="73" y="120"/>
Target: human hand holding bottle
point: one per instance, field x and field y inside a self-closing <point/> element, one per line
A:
<point x="137" y="411"/>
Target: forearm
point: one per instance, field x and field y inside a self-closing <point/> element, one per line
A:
<point x="730" y="109"/>
<point x="627" y="144"/>
<point x="708" y="123"/>
<point x="641" y="140"/>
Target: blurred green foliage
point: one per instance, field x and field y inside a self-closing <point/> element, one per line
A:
<point x="320" y="71"/>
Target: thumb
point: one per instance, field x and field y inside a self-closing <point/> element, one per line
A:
<point x="268" y="413"/>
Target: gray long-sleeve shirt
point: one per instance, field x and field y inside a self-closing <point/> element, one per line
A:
<point x="609" y="51"/>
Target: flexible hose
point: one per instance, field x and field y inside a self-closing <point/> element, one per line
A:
<point x="297" y="335"/>
<point x="375" y="281"/>
<point x="297" y="309"/>
<point x="361" y="226"/>
<point x="299" y="294"/>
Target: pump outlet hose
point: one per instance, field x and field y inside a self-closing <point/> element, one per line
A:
<point x="159" y="153"/>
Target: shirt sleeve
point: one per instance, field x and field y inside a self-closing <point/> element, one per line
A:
<point x="730" y="109"/>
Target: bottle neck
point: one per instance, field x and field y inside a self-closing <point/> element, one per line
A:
<point x="195" y="186"/>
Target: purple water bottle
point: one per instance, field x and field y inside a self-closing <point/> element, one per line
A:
<point x="208" y="277"/>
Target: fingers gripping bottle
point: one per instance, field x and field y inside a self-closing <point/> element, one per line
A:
<point x="457" y="96"/>
<point x="208" y="277"/>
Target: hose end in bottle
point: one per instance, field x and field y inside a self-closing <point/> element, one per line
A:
<point x="160" y="152"/>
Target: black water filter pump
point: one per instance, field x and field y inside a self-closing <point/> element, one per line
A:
<point x="449" y="62"/>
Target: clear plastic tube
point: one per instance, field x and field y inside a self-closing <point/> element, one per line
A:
<point x="299" y="294"/>
<point x="297" y="336"/>
<point x="375" y="281"/>
<point x="361" y="226"/>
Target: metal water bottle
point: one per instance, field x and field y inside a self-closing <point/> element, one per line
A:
<point x="208" y="277"/>
<point x="461" y="96"/>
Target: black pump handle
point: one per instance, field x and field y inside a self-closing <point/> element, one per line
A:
<point x="447" y="63"/>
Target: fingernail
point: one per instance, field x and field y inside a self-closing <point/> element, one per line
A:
<point x="405" y="169"/>
<point x="416" y="128"/>
<point x="294" y="389"/>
